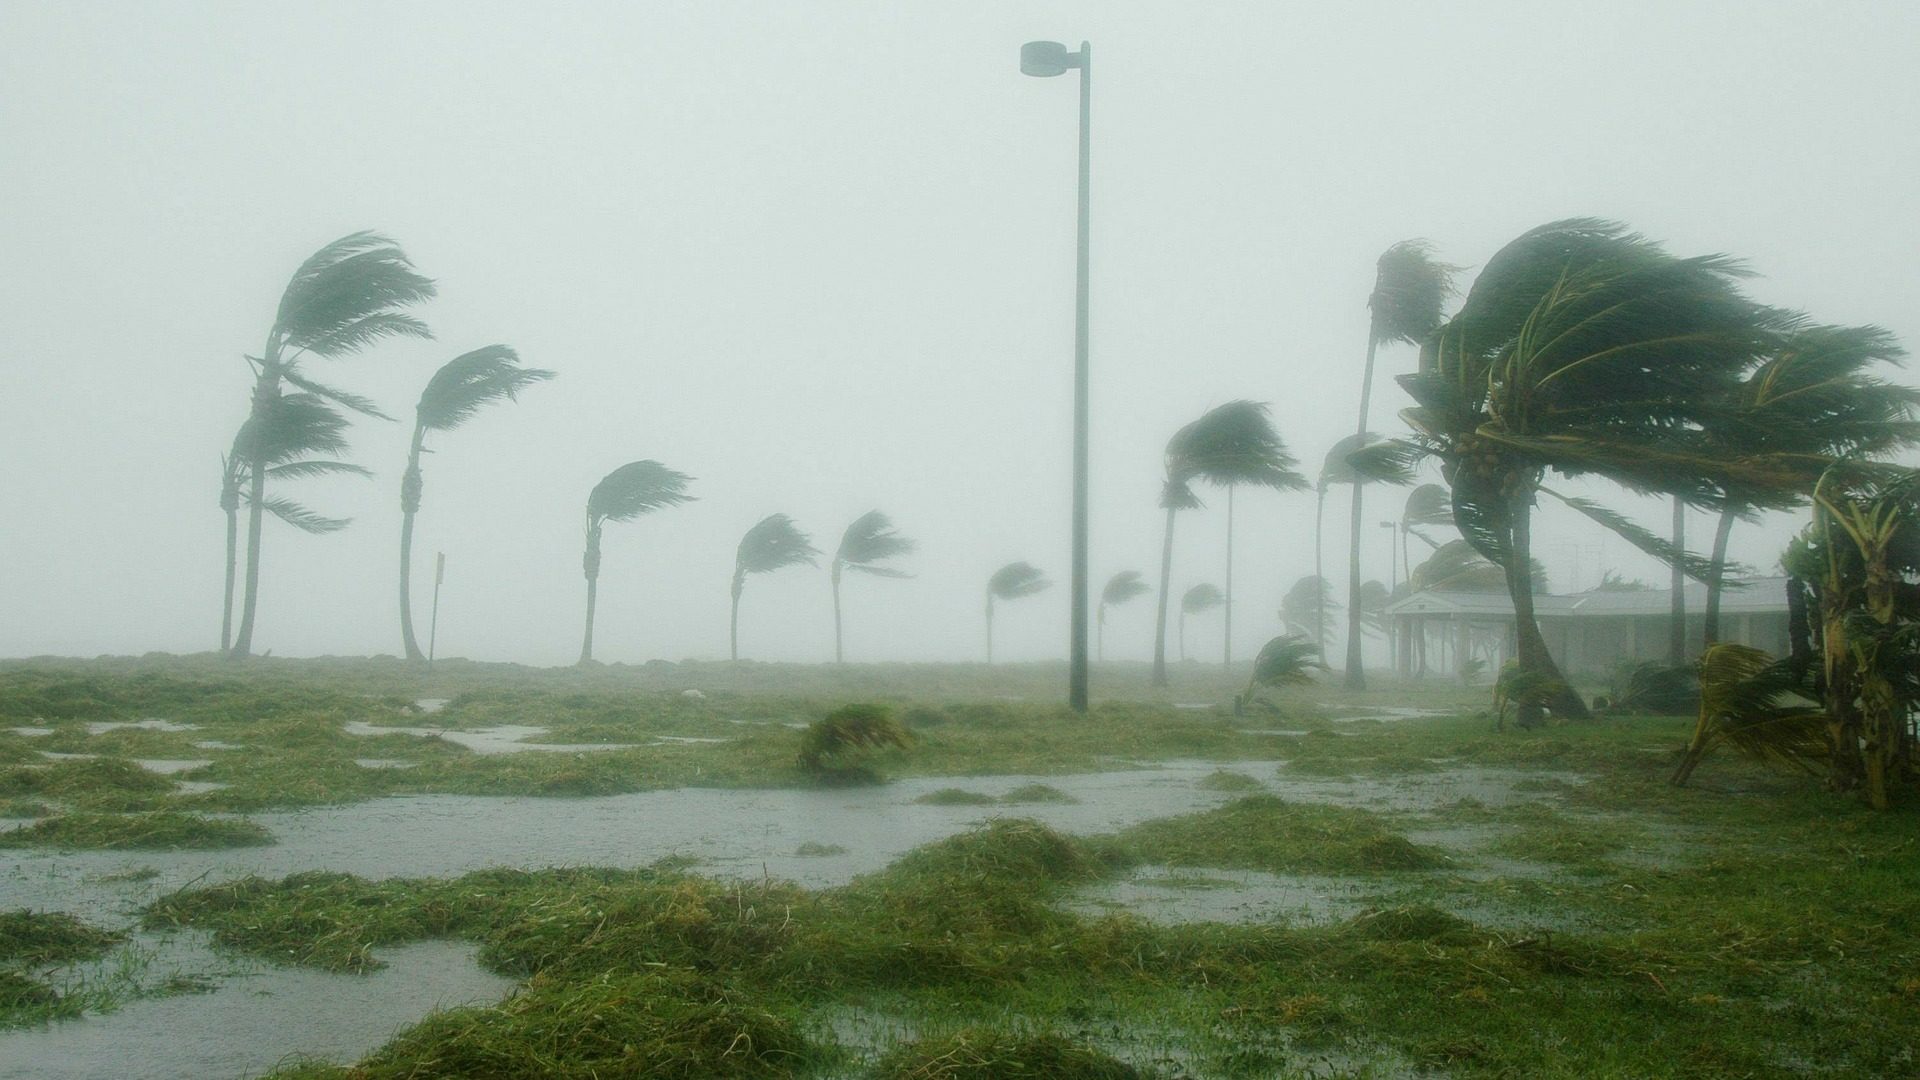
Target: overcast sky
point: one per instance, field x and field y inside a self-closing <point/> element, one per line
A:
<point x="820" y="256"/>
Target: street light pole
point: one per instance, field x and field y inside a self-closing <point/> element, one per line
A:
<point x="1046" y="59"/>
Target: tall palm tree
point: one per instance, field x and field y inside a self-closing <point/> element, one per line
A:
<point x="1816" y="399"/>
<point x="1011" y="582"/>
<point x="290" y="438"/>
<point x="773" y="543"/>
<point x="1588" y="350"/>
<point x="1409" y="288"/>
<point x="1230" y="444"/>
<point x="1336" y="469"/>
<point x="1201" y="598"/>
<point x="454" y="395"/>
<point x="1121" y="588"/>
<point x="636" y="488"/>
<point x="867" y="544"/>
<point x="346" y="296"/>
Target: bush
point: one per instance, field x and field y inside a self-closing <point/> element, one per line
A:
<point x="840" y="746"/>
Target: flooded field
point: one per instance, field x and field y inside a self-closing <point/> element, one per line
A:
<point x="1367" y="839"/>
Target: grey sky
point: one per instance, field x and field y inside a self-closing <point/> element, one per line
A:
<point x="820" y="257"/>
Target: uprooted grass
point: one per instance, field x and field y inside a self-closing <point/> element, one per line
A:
<point x="1266" y="832"/>
<point x="965" y="931"/>
<point x="993" y="1054"/>
<point x="161" y="830"/>
<point x="1025" y="794"/>
<point x="31" y="942"/>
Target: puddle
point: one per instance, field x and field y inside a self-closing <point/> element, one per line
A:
<point x="690" y="739"/>
<point x="384" y="763"/>
<point x="505" y="739"/>
<point x="200" y="787"/>
<point x="101" y="727"/>
<point x="54" y="755"/>
<point x="431" y="704"/>
<point x="216" y="744"/>
<point x="1385" y="714"/>
<point x="1182" y="895"/>
<point x="255" y="1017"/>
<point x="1195" y="704"/>
<point x="168" y="766"/>
<point x="32" y="732"/>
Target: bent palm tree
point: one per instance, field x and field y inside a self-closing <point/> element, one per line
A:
<point x="1814" y="398"/>
<point x="1585" y="349"/>
<point x="773" y="543"/>
<point x="1409" y="288"/>
<point x="1121" y="588"/>
<point x="1288" y="660"/>
<point x="346" y="296"/>
<point x="1011" y="582"/>
<point x="1230" y="444"/>
<point x="1197" y="600"/>
<point x="868" y="543"/>
<point x="635" y="488"/>
<point x="454" y="395"/>
<point x="295" y="429"/>
<point x="1336" y="469"/>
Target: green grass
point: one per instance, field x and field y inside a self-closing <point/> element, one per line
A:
<point x="1025" y="794"/>
<point x="163" y="830"/>
<point x="31" y="943"/>
<point x="990" y="1054"/>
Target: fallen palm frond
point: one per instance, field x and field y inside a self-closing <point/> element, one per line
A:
<point x="1520" y="689"/>
<point x="1288" y="660"/>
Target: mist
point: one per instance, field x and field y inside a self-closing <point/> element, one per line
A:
<point x="820" y="258"/>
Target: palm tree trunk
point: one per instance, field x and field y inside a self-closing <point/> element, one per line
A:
<point x="590" y="566"/>
<point x="1715" y="582"/>
<point x="1530" y="647"/>
<point x="1677" y="633"/>
<point x="1356" y="673"/>
<point x="1160" y="620"/>
<point x="838" y="656"/>
<point x="733" y="621"/>
<point x="266" y="390"/>
<point x="1319" y="575"/>
<point x="989" y="628"/>
<point x="233" y="558"/>
<point x="1100" y="635"/>
<point x="1226" y="650"/>
<point x="409" y="506"/>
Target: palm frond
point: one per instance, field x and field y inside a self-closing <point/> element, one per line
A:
<point x="870" y="541"/>
<point x="347" y="295"/>
<point x="306" y="470"/>
<point x="356" y="402"/>
<point x="1124" y="586"/>
<point x="1367" y="458"/>
<point x="1697" y="567"/>
<point x="294" y="426"/>
<point x="1410" y="287"/>
<point x="1300" y="608"/>
<point x="1757" y="705"/>
<point x="1202" y="597"/>
<point x="1426" y="505"/>
<point x="1456" y="567"/>
<point x="636" y="488"/>
<point x="773" y="543"/>
<point x="302" y="518"/>
<point x="1287" y="660"/>
<point x="470" y="381"/>
<point x="1233" y="443"/>
<point x="1016" y="580"/>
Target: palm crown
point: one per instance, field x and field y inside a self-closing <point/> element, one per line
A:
<point x="869" y="542"/>
<point x="1202" y="597"/>
<point x="1122" y="587"/>
<point x="634" y="489"/>
<point x="1233" y="443"/>
<point x="1016" y="580"/>
<point x="346" y="296"/>
<point x="773" y="543"/>
<point x="470" y="381"/>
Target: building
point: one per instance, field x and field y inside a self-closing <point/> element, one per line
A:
<point x="1588" y="633"/>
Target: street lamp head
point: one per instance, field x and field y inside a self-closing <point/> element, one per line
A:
<point x="1045" y="59"/>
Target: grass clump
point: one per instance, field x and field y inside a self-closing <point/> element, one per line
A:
<point x="1266" y="832"/>
<point x="1229" y="781"/>
<point x="25" y="808"/>
<point x="42" y="938"/>
<point x="840" y="747"/>
<point x="1036" y="793"/>
<point x="954" y="796"/>
<point x="991" y="1054"/>
<point x="815" y="849"/>
<point x="163" y="830"/>
<point x="670" y="1026"/>
<point x="1025" y="794"/>
<point x="93" y="783"/>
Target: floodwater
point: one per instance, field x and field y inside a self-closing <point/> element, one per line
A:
<point x="258" y="1014"/>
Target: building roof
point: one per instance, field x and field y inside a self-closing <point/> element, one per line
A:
<point x="1743" y="596"/>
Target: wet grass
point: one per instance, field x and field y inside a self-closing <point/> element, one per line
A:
<point x="1025" y="794"/>
<point x="34" y="943"/>
<point x="1266" y="832"/>
<point x="993" y="1054"/>
<point x="159" y="831"/>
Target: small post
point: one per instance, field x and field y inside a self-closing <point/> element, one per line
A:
<point x="433" y="627"/>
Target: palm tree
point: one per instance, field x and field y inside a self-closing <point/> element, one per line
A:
<point x="1758" y="706"/>
<point x="1121" y="588"/>
<point x="1288" y="660"/>
<point x="1427" y="507"/>
<point x="1336" y="469"/>
<point x="1304" y="608"/>
<point x="774" y="542"/>
<point x="1585" y="349"/>
<point x="868" y="543"/>
<point x="1230" y="444"/>
<point x="295" y="430"/>
<point x="1815" y="397"/>
<point x="346" y="296"/>
<point x="1011" y="582"/>
<point x="1409" y="288"/>
<point x="636" y="488"/>
<point x="1197" y="600"/>
<point x="453" y="396"/>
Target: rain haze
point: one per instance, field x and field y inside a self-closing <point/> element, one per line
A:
<point x="820" y="257"/>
